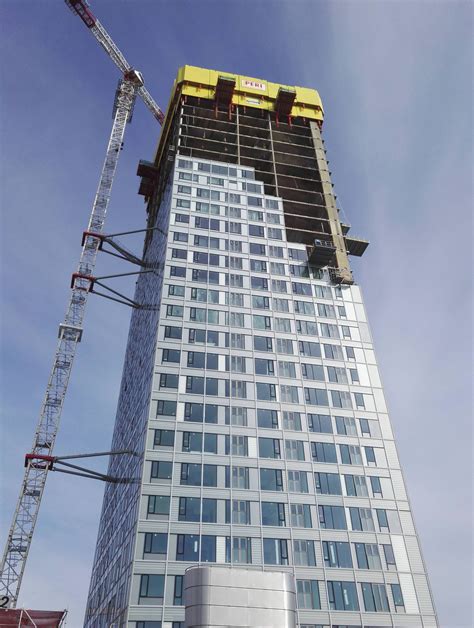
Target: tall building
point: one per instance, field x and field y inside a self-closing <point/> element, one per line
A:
<point x="250" y="392"/>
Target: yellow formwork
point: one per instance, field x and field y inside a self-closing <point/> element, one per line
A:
<point x="248" y="92"/>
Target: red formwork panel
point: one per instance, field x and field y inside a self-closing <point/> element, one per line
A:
<point x="26" y="618"/>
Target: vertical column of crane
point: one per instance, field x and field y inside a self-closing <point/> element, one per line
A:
<point x="70" y="332"/>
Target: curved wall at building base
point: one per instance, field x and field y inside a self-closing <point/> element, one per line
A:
<point x="236" y="598"/>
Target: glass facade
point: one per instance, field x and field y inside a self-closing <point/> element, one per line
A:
<point x="252" y="395"/>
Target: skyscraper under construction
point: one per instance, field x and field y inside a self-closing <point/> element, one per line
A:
<point x="250" y="393"/>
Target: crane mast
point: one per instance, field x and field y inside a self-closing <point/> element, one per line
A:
<point x="70" y="330"/>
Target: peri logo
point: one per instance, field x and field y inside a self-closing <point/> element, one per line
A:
<point x="254" y="85"/>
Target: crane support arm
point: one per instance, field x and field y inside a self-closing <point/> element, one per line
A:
<point x="81" y="8"/>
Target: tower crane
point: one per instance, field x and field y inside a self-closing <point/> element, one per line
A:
<point x="39" y="461"/>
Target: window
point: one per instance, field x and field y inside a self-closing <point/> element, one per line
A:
<point x="284" y="346"/>
<point x="279" y="285"/>
<point x="203" y="167"/>
<point x="368" y="556"/>
<point x="196" y="359"/>
<point x="300" y="515"/>
<point x="189" y="509"/>
<point x="337" y="554"/>
<point x="359" y="400"/>
<point x="398" y="598"/>
<point x="361" y="519"/>
<point x="261" y="322"/>
<point x="173" y="332"/>
<point x="164" y="438"/>
<point x="267" y="418"/>
<point x="275" y="251"/>
<point x="376" y="486"/>
<point x="292" y="421"/>
<point x="350" y="454"/>
<point x="320" y="423"/>
<point x="289" y="394"/>
<point x="257" y="231"/>
<point x="354" y="376"/>
<point x="346" y="425"/>
<point x="183" y="202"/>
<point x="236" y="445"/>
<point x="342" y="596"/>
<point x="236" y="299"/>
<point x="238" y="550"/>
<point x="294" y="450"/>
<point x="278" y="268"/>
<point x="271" y="480"/>
<point x="166" y="408"/>
<point x="333" y="352"/>
<point x="350" y="353"/>
<point x="235" y="364"/>
<point x="337" y="374"/>
<point x="191" y="475"/>
<point x="388" y="520"/>
<point x="237" y="511"/>
<point x="323" y="292"/>
<point x="273" y="514"/>
<point x="262" y="343"/>
<point x="234" y="212"/>
<point x="332" y="517"/>
<point x="235" y="281"/>
<point x="181" y="218"/>
<point x="314" y="372"/>
<point x="389" y="557"/>
<point x="175" y="291"/>
<point x="266" y="392"/>
<point x="259" y="283"/>
<point x="283" y="325"/>
<point x="260" y="303"/>
<point x="185" y="163"/>
<point x="341" y="399"/>
<point x="239" y="477"/>
<point x="297" y="482"/>
<point x="298" y="254"/>
<point x="258" y="265"/>
<point x="237" y="319"/>
<point x="209" y="509"/>
<point x="161" y="470"/>
<point x="323" y="452"/>
<point x="281" y="305"/>
<point x="171" y="355"/>
<point x="274" y="233"/>
<point x="177" y="594"/>
<point x="301" y="288"/>
<point x="197" y="412"/>
<point x="304" y="307"/>
<point x="316" y="396"/>
<point x="179" y="236"/>
<point x="311" y="349"/>
<point x="356" y="485"/>
<point x="152" y="585"/>
<point x="156" y="544"/>
<point x="346" y="331"/>
<point x="236" y="389"/>
<point x="236" y="416"/>
<point x="195" y="385"/>
<point x="303" y="553"/>
<point x="275" y="551"/>
<point x="307" y="594"/>
<point x="184" y="189"/>
<point x="257" y="249"/>
<point x="327" y="483"/>
<point x="254" y="201"/>
<point x="307" y="328"/>
<point x="179" y="254"/>
<point x="375" y="597"/>
<point x="159" y="505"/>
<point x="237" y="341"/>
<point x="269" y="448"/>
<point x="271" y="203"/>
<point x="188" y="548"/>
<point x="326" y="311"/>
<point x="255" y="215"/>
<point x="329" y="331"/>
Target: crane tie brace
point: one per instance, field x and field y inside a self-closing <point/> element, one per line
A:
<point x="70" y="330"/>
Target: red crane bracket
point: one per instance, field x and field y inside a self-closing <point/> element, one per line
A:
<point x="88" y="278"/>
<point x="30" y="458"/>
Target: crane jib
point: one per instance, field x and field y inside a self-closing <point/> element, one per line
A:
<point x="80" y="8"/>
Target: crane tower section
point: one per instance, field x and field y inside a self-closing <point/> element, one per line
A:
<point x="70" y="334"/>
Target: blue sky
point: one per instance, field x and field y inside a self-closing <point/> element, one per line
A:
<point x="396" y="83"/>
